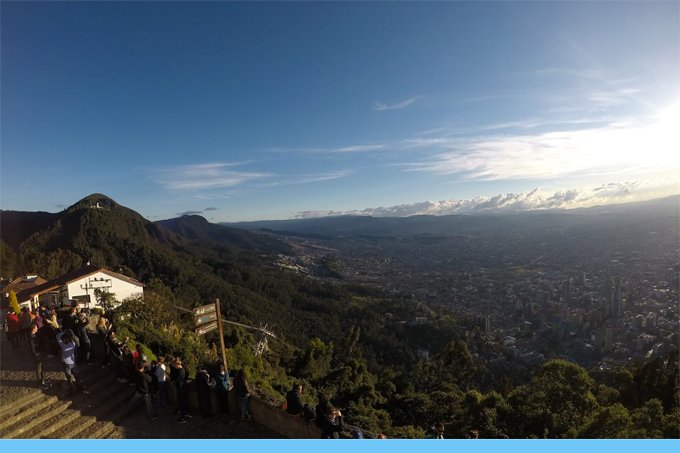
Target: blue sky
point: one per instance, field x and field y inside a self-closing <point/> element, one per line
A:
<point x="244" y="111"/>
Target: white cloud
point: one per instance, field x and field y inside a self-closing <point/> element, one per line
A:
<point x="310" y="178"/>
<point x="205" y="176"/>
<point x="588" y="74"/>
<point x="615" y="148"/>
<point x="379" y="106"/>
<point x="608" y="98"/>
<point x="358" y="148"/>
<point x="362" y="148"/>
<point x="537" y="199"/>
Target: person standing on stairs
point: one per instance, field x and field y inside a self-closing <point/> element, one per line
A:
<point x="103" y="330"/>
<point x="242" y="390"/>
<point x="68" y="358"/>
<point x="142" y="389"/>
<point x="223" y="386"/>
<point x="85" y="344"/>
<point x="179" y="379"/>
<point x="35" y="345"/>
<point x="203" y="384"/>
<point x="161" y="379"/>
<point x="25" y="320"/>
<point x="12" y="329"/>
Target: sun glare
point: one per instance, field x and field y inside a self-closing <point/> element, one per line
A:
<point x="665" y="135"/>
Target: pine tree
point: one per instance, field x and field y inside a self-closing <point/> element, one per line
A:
<point x="13" y="302"/>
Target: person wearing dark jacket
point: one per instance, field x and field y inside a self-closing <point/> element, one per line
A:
<point x="242" y="390"/>
<point x="142" y="383"/>
<point x="332" y="424"/>
<point x="128" y="367"/>
<point x="36" y="345"/>
<point x="322" y="410"/>
<point x="85" y="344"/>
<point x="293" y="400"/>
<point x="179" y="378"/>
<point x="294" y="404"/>
<point x="203" y="384"/>
<point x="103" y="330"/>
<point x="69" y="321"/>
<point x="115" y="347"/>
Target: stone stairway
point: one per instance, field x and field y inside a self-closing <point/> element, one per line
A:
<point x="57" y="413"/>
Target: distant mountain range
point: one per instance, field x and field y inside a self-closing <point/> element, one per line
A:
<point x="352" y="226"/>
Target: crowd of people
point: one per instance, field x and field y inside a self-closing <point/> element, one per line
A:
<point x="65" y="334"/>
<point x="67" y="337"/>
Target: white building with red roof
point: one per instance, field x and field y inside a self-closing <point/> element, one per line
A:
<point x="80" y="285"/>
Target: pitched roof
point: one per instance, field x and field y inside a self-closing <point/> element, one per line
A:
<point x="69" y="277"/>
<point x="21" y="283"/>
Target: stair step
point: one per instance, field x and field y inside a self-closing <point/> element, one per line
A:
<point x="118" y="433"/>
<point x="110" y="431"/>
<point x="116" y="397"/>
<point x="79" y="406"/>
<point x="98" y="430"/>
<point x="110" y="423"/>
<point x="45" y="429"/>
<point x="36" y="412"/>
<point x="90" y="375"/>
<point x="25" y="412"/>
<point x="12" y="407"/>
<point x="69" y="432"/>
<point x="55" y="409"/>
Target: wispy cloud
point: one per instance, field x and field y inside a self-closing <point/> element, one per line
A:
<point x="205" y="176"/>
<point x="180" y="214"/>
<point x="588" y="74"/>
<point x="310" y="178"/>
<point x="211" y="209"/>
<point x="485" y="98"/>
<point x="317" y="177"/>
<point x="360" y="148"/>
<point x="536" y="199"/>
<point x="612" y="97"/>
<point x="380" y="106"/>
<point x="616" y="148"/>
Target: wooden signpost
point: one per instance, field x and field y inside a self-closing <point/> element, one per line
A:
<point x="210" y="308"/>
<point x="205" y="328"/>
<point x="204" y="319"/>
<point x="208" y="318"/>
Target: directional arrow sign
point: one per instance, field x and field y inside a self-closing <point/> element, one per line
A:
<point x="204" y="310"/>
<point x="205" y="328"/>
<point x="200" y="320"/>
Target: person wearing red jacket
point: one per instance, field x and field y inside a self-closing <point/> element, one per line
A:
<point x="12" y="329"/>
